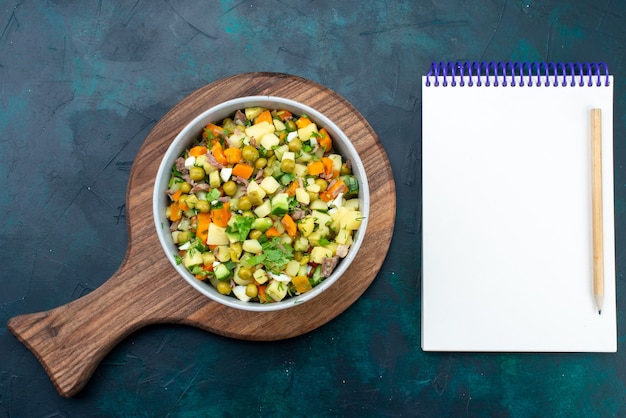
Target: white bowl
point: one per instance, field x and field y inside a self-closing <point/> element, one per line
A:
<point x="216" y="114"/>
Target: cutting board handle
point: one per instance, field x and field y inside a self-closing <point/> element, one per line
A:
<point x="71" y="340"/>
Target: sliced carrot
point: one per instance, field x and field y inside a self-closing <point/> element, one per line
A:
<point x="328" y="165"/>
<point x="183" y="206"/>
<point x="198" y="150"/>
<point x="175" y="212"/>
<point x="243" y="170"/>
<point x="291" y="190"/>
<point x="218" y="153"/>
<point x="290" y="225"/>
<point x="221" y="216"/>
<point x="213" y="129"/>
<point x="261" y="294"/>
<point x="177" y="195"/>
<point x="301" y="283"/>
<point x="233" y="155"/>
<point x="272" y="232"/>
<point x="202" y="230"/>
<point x="284" y="114"/>
<point x="303" y="121"/>
<point x="336" y="187"/>
<point x="264" y="116"/>
<point x="324" y="140"/>
<point x="315" y="168"/>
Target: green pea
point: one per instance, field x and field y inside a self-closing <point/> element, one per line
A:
<point x="255" y="234"/>
<point x="203" y="206"/>
<point x="196" y="173"/>
<point x="223" y="288"/>
<point x="250" y="153"/>
<point x="295" y="145"/>
<point x="260" y="163"/>
<point x="290" y="125"/>
<point x="230" y="188"/>
<point x="251" y="290"/>
<point x="245" y="273"/>
<point x="248" y="214"/>
<point x="244" y="203"/>
<point x="185" y="187"/>
<point x="288" y="166"/>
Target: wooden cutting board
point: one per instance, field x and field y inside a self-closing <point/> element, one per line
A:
<point x="71" y="340"/>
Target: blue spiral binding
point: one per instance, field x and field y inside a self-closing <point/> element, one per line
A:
<point x="528" y="74"/>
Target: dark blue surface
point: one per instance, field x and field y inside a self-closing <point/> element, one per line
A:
<point x="82" y="84"/>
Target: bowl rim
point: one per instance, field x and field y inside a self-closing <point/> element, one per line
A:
<point x="182" y="141"/>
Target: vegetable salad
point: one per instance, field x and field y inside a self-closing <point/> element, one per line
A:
<point x="262" y="206"/>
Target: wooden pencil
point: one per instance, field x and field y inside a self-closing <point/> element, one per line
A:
<point x="596" y="207"/>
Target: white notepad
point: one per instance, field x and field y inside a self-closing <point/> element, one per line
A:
<point x="506" y="199"/>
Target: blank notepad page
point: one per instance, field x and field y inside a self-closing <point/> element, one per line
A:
<point x="507" y="233"/>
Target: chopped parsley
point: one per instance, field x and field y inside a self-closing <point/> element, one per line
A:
<point x="240" y="227"/>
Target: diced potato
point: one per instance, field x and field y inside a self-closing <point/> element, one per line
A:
<point x="300" y="170"/>
<point x="236" y="139"/>
<point x="292" y="268"/>
<point x="288" y="155"/>
<point x="259" y="130"/>
<point x="306" y="225"/>
<point x="260" y="276"/>
<point x="319" y="205"/>
<point x="304" y="157"/>
<point x="301" y="244"/>
<point x="332" y="246"/>
<point x="202" y="162"/>
<point x="270" y="184"/>
<point x="321" y="218"/>
<point x="351" y="220"/>
<point x="276" y="290"/>
<point x="269" y="140"/>
<point x="217" y="235"/>
<point x="279" y="125"/>
<point x="214" y="179"/>
<point x="315" y="188"/>
<point x="319" y="253"/>
<point x="208" y="258"/>
<point x="306" y="132"/>
<point x="336" y="158"/>
<point x="264" y="209"/>
<point x="192" y="258"/>
<point x="352" y="204"/>
<point x="252" y="246"/>
<point x="302" y="196"/>
<point x="254" y="188"/>
<point x="344" y="237"/>
<point x="253" y="112"/>
<point x="222" y="253"/>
